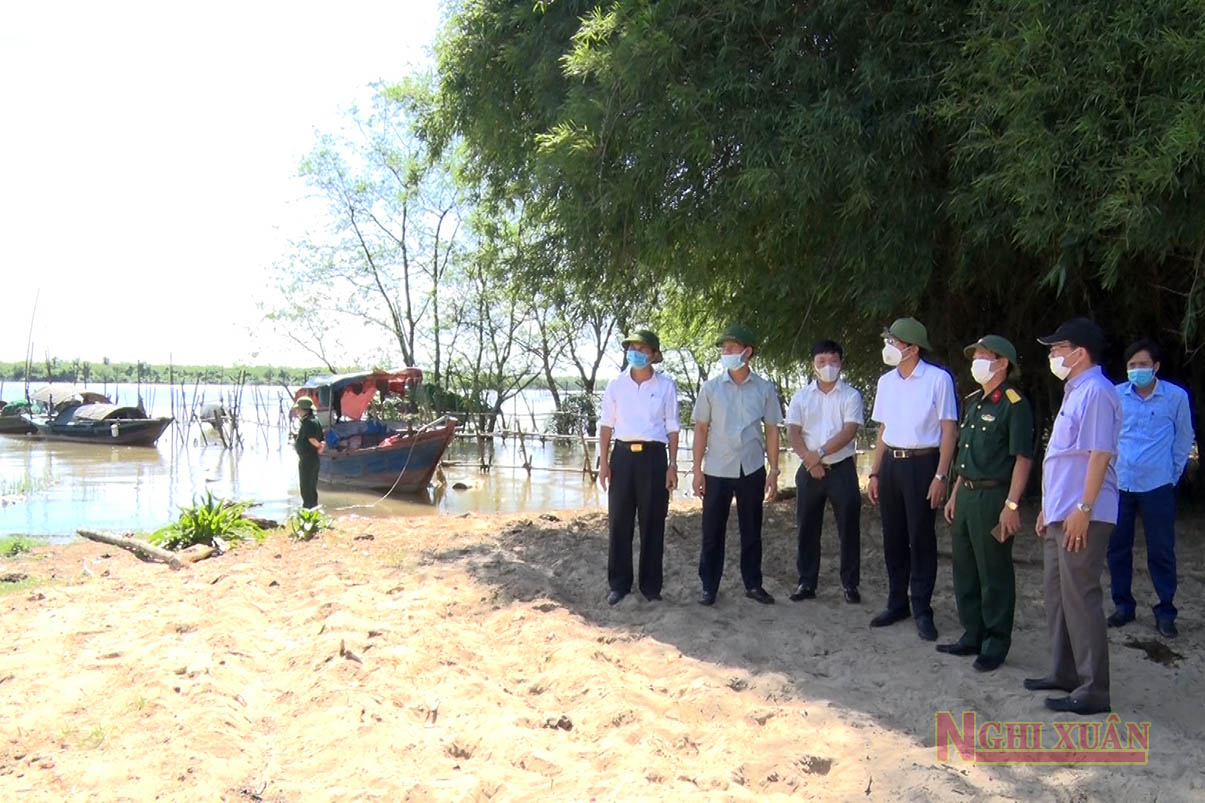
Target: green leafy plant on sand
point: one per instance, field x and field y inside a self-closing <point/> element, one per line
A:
<point x="306" y="523"/>
<point x="15" y="545"/>
<point x="215" y="522"/>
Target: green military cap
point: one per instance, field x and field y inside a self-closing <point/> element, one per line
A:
<point x="305" y="403"/>
<point x="648" y="338"/>
<point x="645" y="336"/>
<point x="739" y="334"/>
<point x="996" y="345"/>
<point x="909" y="330"/>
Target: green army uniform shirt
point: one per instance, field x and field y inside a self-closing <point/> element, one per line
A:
<point x="996" y="429"/>
<point x="310" y="428"/>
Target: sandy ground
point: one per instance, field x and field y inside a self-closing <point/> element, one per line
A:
<point x="480" y="660"/>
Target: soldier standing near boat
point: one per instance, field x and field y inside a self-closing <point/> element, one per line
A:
<point x="309" y="445"/>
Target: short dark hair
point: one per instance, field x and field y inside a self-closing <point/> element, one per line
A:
<point x="828" y="347"/>
<point x="1144" y="344"/>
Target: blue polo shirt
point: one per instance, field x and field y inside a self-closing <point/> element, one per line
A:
<point x="1156" y="437"/>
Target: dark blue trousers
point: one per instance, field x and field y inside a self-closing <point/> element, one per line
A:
<point x="1158" y="511"/>
<point x="749" y="491"/>
<point x="637" y="491"/>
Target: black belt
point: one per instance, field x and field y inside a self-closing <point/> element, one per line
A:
<point x="830" y="466"/>
<point x="904" y="454"/>
<point x="981" y="485"/>
<point x="639" y="446"/>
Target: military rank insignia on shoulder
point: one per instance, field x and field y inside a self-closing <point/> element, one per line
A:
<point x="1013" y="396"/>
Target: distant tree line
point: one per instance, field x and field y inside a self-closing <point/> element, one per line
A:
<point x="54" y="369"/>
<point x="75" y="371"/>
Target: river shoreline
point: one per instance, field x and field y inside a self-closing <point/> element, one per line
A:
<point x="475" y="657"/>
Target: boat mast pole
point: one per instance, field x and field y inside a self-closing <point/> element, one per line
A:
<point x="29" y="341"/>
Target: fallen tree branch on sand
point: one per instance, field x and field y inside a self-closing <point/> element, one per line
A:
<point x="141" y="549"/>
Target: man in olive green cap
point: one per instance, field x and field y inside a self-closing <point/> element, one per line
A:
<point x="991" y="468"/>
<point x="640" y="417"/>
<point x="309" y="445"/>
<point x="730" y="456"/>
<point x="917" y="411"/>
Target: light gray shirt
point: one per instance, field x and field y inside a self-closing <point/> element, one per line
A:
<point x="734" y="414"/>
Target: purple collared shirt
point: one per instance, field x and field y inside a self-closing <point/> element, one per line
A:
<point x="1088" y="421"/>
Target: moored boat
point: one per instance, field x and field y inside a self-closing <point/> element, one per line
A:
<point x="369" y="453"/>
<point x="102" y="423"/>
<point x="15" y="419"/>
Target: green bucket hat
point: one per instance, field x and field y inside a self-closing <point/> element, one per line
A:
<point x="645" y="336"/>
<point x="996" y="345"/>
<point x="740" y="334"/>
<point x="648" y="338"/>
<point x="909" y="330"/>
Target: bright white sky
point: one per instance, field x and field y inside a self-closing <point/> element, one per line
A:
<point x="148" y="154"/>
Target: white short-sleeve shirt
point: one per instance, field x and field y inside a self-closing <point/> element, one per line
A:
<point x="645" y="411"/>
<point x="911" y="410"/>
<point x="822" y="415"/>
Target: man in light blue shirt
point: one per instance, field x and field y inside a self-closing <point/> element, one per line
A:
<point x="1156" y="438"/>
<point x="730" y="454"/>
<point x="1079" y="512"/>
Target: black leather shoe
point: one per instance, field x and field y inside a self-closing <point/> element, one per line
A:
<point x="759" y="595"/>
<point x="1166" y="628"/>
<point x="1072" y="706"/>
<point x="985" y="663"/>
<point x="925" y="628"/>
<point x="889" y="617"/>
<point x="707" y="598"/>
<point x="1044" y="684"/>
<point x="852" y="596"/>
<point x="614" y="597"/>
<point x="803" y="592"/>
<point x="656" y="597"/>
<point x="957" y="648"/>
<point x="1119" y="619"/>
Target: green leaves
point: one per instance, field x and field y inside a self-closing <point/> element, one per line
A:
<point x="307" y="523"/>
<point x="211" y="521"/>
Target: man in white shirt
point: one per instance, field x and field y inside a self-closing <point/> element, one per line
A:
<point x="730" y="458"/>
<point x="822" y="420"/>
<point x="918" y="416"/>
<point x="640" y="416"/>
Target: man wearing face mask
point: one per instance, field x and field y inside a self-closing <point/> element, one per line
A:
<point x="1156" y="439"/>
<point x="1079" y="511"/>
<point x="730" y="460"/>
<point x="918" y="413"/>
<point x="822" y="420"/>
<point x="991" y="468"/>
<point x="640" y="415"/>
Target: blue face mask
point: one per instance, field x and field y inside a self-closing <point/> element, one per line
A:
<point x="1141" y="377"/>
<point x="637" y="359"/>
<point x="732" y="362"/>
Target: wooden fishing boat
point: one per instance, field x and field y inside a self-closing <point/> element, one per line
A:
<point x="15" y="419"/>
<point x="365" y="452"/>
<point x="101" y="423"/>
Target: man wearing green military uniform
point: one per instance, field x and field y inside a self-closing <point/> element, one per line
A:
<point x="995" y="454"/>
<point x="309" y="445"/>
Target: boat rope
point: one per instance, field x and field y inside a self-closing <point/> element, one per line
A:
<point x="440" y="421"/>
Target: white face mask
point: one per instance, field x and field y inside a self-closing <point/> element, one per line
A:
<point x="892" y="355"/>
<point x="828" y="373"/>
<point x="981" y="371"/>
<point x="1059" y="368"/>
<point x="732" y="362"/>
